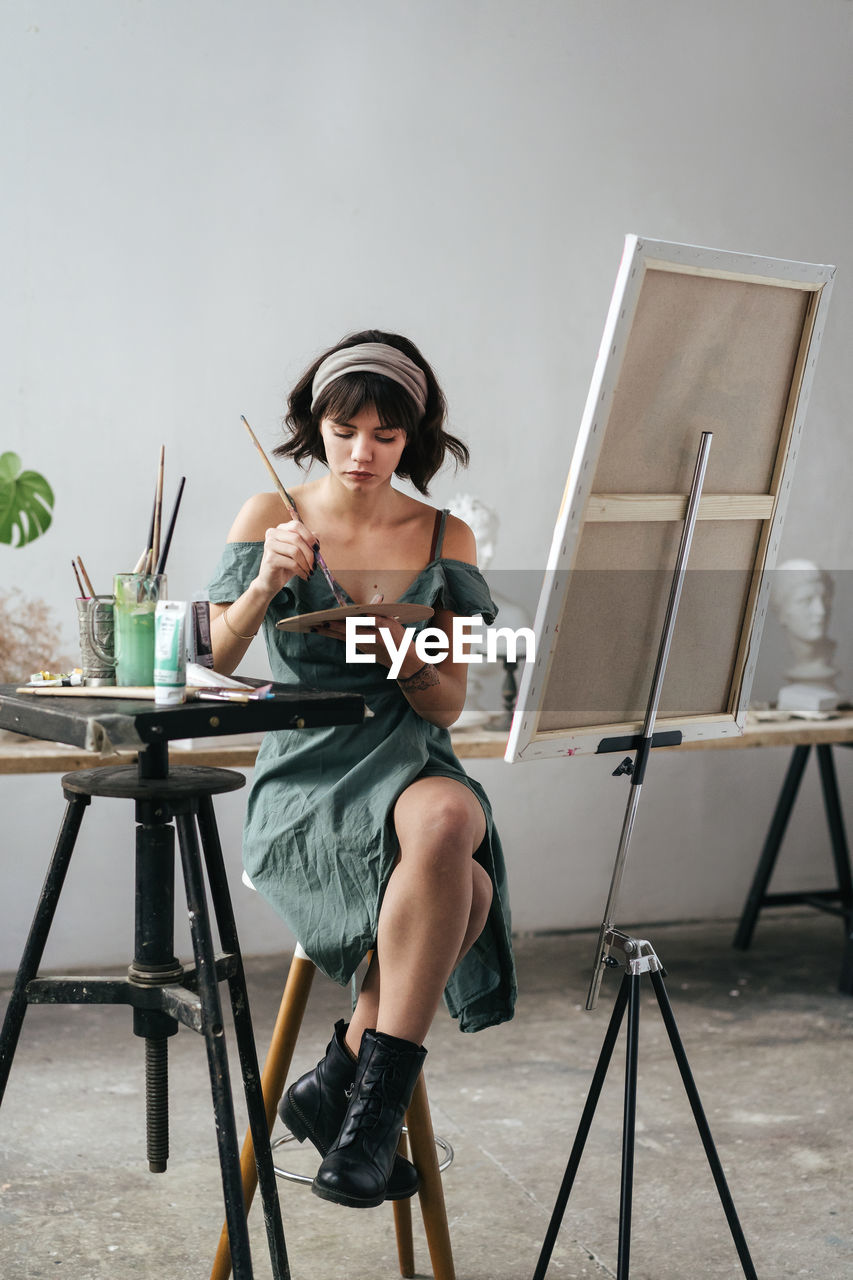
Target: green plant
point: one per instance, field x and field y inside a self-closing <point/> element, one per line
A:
<point x="26" y="502"/>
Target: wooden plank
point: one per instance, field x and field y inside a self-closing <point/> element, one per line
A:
<point x="792" y="732"/>
<point x="606" y="507"/>
<point x="785" y="459"/>
<point x="19" y="754"/>
<point x="29" y="755"/>
<point x="745" y="277"/>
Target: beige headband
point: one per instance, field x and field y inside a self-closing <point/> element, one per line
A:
<point x="372" y="357"/>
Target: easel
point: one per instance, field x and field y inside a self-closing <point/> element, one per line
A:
<point x="640" y="959"/>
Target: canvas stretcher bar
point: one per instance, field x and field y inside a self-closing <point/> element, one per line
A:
<point x="695" y="340"/>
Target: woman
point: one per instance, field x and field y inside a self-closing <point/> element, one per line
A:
<point x="369" y="836"/>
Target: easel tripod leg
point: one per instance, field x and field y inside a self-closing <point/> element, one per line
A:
<point x="583" y="1130"/>
<point x="629" y="1125"/>
<point x="703" y="1127"/>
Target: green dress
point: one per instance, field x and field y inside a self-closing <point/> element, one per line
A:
<point x="319" y="841"/>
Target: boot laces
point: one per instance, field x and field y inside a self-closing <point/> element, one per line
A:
<point x="373" y="1094"/>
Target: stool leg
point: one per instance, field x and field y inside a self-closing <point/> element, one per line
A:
<point x="403" y="1225"/>
<point x="430" y="1191"/>
<point x="260" y="1122"/>
<point x="40" y="928"/>
<point x="217" y="1055"/>
<point x="277" y="1064"/>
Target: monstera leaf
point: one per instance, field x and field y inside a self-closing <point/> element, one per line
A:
<point x="26" y="502"/>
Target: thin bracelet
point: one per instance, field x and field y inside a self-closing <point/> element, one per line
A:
<point x="414" y="675"/>
<point x="231" y="629"/>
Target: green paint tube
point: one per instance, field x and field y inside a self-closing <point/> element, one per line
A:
<point x="170" y="657"/>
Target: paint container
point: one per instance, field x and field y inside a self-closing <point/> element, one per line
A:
<point x="136" y="598"/>
<point x="199" y="647"/>
<point x="97" y="652"/>
<point x="170" y="657"/>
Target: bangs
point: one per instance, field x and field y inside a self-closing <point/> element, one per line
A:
<point x="352" y="392"/>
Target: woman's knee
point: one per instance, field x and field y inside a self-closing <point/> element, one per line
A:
<point x="441" y="815"/>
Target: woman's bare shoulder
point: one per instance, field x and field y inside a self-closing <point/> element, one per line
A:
<point x="261" y="512"/>
<point x="459" y="542"/>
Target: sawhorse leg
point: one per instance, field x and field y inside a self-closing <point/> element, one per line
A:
<point x="758" y="896"/>
<point x="767" y="861"/>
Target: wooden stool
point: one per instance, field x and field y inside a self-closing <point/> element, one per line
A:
<point x="418" y="1125"/>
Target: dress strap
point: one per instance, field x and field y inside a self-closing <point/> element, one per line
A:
<point x="437" y="535"/>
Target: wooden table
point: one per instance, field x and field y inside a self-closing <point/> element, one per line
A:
<point x="19" y="754"/>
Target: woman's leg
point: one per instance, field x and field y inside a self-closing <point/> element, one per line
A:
<point x="435" y="906"/>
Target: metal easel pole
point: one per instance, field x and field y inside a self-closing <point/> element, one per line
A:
<point x="637" y="767"/>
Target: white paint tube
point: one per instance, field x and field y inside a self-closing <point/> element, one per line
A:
<point x="170" y="657"/>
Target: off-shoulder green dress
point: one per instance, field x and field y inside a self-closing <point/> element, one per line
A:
<point x="319" y="841"/>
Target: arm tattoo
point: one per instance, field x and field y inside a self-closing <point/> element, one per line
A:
<point x="424" y="678"/>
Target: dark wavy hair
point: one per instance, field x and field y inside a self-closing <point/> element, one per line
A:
<point x="427" y="442"/>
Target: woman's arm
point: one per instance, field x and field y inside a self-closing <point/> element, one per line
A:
<point x="288" y="552"/>
<point x="435" y="690"/>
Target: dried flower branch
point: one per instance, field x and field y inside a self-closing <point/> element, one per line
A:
<point x="30" y="638"/>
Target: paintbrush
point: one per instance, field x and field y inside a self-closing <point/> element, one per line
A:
<point x="86" y="579"/>
<point x="167" y="542"/>
<point x="291" y="506"/>
<point x="158" y="512"/>
<point x="79" y="583"/>
<point x="143" y="563"/>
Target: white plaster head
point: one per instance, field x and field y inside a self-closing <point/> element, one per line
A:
<point x="483" y="521"/>
<point x="801" y="594"/>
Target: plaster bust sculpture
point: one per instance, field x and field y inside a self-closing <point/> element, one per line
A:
<point x="483" y="523"/>
<point x="801" y="595"/>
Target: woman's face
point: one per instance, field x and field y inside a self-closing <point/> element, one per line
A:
<point x="362" y="454"/>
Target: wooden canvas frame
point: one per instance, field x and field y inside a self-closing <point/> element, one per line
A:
<point x="695" y="339"/>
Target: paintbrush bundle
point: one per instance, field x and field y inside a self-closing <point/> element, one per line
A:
<point x="156" y="550"/>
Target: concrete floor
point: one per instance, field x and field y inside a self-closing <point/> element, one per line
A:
<point x="767" y="1035"/>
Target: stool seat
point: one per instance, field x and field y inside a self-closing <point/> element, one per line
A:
<point x="123" y="782"/>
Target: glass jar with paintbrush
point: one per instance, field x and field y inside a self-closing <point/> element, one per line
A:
<point x="137" y="594"/>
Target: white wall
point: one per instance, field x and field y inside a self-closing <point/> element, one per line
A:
<point x="201" y="195"/>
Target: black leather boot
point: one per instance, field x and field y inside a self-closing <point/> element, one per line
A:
<point x="356" y="1171"/>
<point x="315" y="1105"/>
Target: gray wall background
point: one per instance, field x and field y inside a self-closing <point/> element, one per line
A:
<point x="200" y="196"/>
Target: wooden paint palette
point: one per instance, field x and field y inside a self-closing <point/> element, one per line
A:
<point x="400" y="610"/>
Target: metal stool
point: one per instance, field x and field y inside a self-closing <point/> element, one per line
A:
<point x="418" y="1128"/>
<point x="160" y="990"/>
